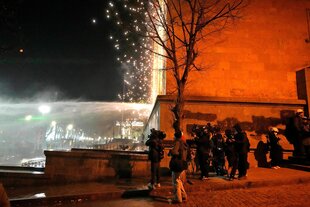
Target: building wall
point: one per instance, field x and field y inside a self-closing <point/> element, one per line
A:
<point x="153" y="122"/>
<point x="255" y="116"/>
<point x="249" y="73"/>
<point x="257" y="56"/>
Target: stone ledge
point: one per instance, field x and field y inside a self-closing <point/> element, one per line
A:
<point x="94" y="165"/>
<point x="239" y="100"/>
<point x="95" y="154"/>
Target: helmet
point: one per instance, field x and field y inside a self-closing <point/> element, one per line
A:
<point x="274" y="129"/>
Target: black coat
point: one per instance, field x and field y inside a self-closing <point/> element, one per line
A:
<point x="155" y="148"/>
<point x="242" y="144"/>
<point x="276" y="151"/>
<point x="204" y="146"/>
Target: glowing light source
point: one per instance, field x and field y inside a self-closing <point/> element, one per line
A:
<point x="44" y="109"/>
<point x="53" y="123"/>
<point x="40" y="195"/>
<point x="28" y="117"/>
<point x="70" y="127"/>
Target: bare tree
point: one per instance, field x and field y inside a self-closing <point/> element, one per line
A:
<point x="177" y="26"/>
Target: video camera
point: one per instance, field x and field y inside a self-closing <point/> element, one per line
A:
<point x="157" y="134"/>
<point x="199" y="130"/>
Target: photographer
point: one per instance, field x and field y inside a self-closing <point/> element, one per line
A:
<point x="242" y="147"/>
<point x="156" y="154"/>
<point x="204" y="150"/>
<point x="218" y="152"/>
<point x="230" y="152"/>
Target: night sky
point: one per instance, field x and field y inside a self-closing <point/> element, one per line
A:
<point x="66" y="55"/>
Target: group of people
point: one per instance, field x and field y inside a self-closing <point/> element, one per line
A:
<point x="178" y="163"/>
<point x="212" y="148"/>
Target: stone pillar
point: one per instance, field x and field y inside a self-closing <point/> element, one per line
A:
<point x="303" y="87"/>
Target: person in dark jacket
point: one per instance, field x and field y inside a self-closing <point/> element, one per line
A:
<point x="260" y="154"/>
<point x="218" y="152"/>
<point x="204" y="152"/>
<point x="299" y="131"/>
<point x="242" y="147"/>
<point x="179" y="151"/>
<point x="295" y="132"/>
<point x="276" y="151"/>
<point x="155" y="155"/>
<point x="230" y="151"/>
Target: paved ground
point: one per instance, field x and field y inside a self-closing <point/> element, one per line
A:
<point x="296" y="195"/>
<point x="283" y="187"/>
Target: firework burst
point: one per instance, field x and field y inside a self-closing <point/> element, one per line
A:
<point x="133" y="45"/>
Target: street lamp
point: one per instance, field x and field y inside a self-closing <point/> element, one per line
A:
<point x="44" y="109"/>
<point x="28" y="117"/>
<point x="70" y="127"/>
<point x="53" y="123"/>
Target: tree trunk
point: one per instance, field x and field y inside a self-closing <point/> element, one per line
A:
<point x="178" y="108"/>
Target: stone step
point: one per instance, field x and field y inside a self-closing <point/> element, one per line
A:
<point x="79" y="192"/>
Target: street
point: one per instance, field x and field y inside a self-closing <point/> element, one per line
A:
<point x="296" y="195"/>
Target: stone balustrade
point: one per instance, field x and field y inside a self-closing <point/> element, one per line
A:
<point x="88" y="165"/>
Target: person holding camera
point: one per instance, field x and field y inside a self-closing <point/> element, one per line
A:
<point x="218" y="152"/>
<point x="156" y="153"/>
<point x="204" y="151"/>
<point x="242" y="147"/>
<point x="230" y="152"/>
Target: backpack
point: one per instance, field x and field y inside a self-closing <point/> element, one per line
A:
<point x="177" y="164"/>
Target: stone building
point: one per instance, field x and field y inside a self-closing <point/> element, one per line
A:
<point x="257" y="72"/>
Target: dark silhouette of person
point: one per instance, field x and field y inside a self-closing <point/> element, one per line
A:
<point x="204" y="151"/>
<point x="242" y="147"/>
<point x="230" y="151"/>
<point x="295" y="132"/>
<point x="179" y="151"/>
<point x="260" y="154"/>
<point x="218" y="152"/>
<point x="155" y="150"/>
<point x="276" y="151"/>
